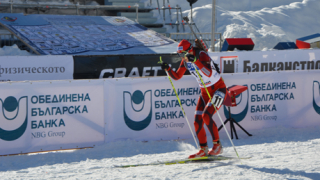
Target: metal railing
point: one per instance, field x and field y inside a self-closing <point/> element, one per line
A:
<point x="76" y="7"/>
<point x="188" y="36"/>
<point x="7" y="39"/>
<point x="178" y="22"/>
<point x="42" y="6"/>
<point x="163" y="8"/>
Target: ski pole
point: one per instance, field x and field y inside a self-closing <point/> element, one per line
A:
<point x="215" y="108"/>
<point x="181" y="106"/>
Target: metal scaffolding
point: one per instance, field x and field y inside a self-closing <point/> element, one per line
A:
<point x="78" y="9"/>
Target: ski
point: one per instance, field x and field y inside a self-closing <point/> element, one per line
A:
<point x="184" y="161"/>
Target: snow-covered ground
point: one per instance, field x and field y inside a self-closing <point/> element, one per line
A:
<point x="13" y="51"/>
<point x="277" y="153"/>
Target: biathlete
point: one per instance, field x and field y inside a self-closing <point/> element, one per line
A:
<point x="210" y="75"/>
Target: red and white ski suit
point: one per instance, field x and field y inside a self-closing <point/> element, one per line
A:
<point x="215" y="86"/>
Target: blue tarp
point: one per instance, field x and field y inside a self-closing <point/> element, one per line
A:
<point x="85" y="35"/>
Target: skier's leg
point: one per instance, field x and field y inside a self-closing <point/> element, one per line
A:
<point x="211" y="125"/>
<point x="200" y="131"/>
<point x="198" y="123"/>
<point x="209" y="111"/>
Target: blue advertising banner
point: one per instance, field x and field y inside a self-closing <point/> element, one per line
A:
<point x="84" y="35"/>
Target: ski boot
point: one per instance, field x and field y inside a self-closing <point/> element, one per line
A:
<point x="203" y="152"/>
<point x="216" y="149"/>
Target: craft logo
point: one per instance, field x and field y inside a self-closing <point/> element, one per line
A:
<point x="240" y="112"/>
<point x="137" y="109"/>
<point x="316" y="96"/>
<point x="119" y="20"/>
<point x="10" y="19"/>
<point x="229" y="64"/>
<point x="140" y="71"/>
<point x="13" y="117"/>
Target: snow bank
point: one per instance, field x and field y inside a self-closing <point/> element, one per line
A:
<point x="266" y="22"/>
<point x="13" y="51"/>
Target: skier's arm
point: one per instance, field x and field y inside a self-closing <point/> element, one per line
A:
<point x="179" y="73"/>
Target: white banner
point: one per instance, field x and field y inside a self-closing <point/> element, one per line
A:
<point x="285" y="98"/>
<point x="50" y="115"/>
<point x="262" y="61"/>
<point x="147" y="109"/>
<point x="22" y="68"/>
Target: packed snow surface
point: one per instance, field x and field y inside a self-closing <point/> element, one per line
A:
<point x="276" y="153"/>
<point x="13" y="51"/>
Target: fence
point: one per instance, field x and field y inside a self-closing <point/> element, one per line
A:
<point x="45" y="6"/>
<point x="7" y="39"/>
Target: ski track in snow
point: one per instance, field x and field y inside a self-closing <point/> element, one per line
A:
<point x="277" y="153"/>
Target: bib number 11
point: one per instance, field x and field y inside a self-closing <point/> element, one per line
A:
<point x="217" y="99"/>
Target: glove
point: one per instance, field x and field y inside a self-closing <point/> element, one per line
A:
<point x="164" y="66"/>
<point x="190" y="57"/>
